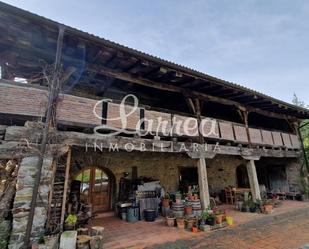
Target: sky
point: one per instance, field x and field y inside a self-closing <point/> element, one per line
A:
<point x="262" y="44"/>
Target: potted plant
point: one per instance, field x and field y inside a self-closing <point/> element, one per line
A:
<point x="203" y="218"/>
<point x="252" y="206"/>
<point x="178" y="197"/>
<point x="211" y="220"/>
<point x="189" y="223"/>
<point x="170" y="220"/>
<point x="70" y="222"/>
<point x="166" y="200"/>
<point x="180" y="222"/>
<point x="267" y="206"/>
<point x="188" y="208"/>
<point x="219" y="216"/>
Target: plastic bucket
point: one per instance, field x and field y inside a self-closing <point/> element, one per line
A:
<point x="229" y="220"/>
<point x="132" y="214"/>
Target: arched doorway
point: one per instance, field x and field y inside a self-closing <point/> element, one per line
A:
<point x="96" y="188"/>
<point x="242" y="177"/>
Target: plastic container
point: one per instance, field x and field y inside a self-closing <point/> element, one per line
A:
<point x="132" y="214"/>
<point x="150" y="215"/>
<point x="229" y="220"/>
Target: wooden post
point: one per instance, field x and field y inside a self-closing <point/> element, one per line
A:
<point x="203" y="183"/>
<point x="201" y="164"/>
<point x="65" y="189"/>
<point x="253" y="180"/>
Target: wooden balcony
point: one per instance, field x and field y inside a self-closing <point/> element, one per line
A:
<point x="25" y="100"/>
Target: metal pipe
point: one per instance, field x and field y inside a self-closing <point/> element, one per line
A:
<point x="51" y="99"/>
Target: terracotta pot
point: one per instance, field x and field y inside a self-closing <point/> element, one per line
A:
<point x="165" y="202"/>
<point x="35" y="246"/>
<point x="219" y="218"/>
<point x="194" y="229"/>
<point x="170" y="221"/>
<point x="188" y="210"/>
<point x="268" y="208"/>
<point x="180" y="223"/>
<point x="189" y="224"/>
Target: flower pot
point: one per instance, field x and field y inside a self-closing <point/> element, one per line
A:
<point x="165" y="202"/>
<point x="210" y="221"/>
<point x="194" y="229"/>
<point x="170" y="221"/>
<point x="202" y="222"/>
<point x="268" y="208"/>
<point x="253" y="209"/>
<point x="188" y="210"/>
<point x="69" y="227"/>
<point x="35" y="246"/>
<point x="219" y="218"/>
<point x="180" y="223"/>
<point x="189" y="224"/>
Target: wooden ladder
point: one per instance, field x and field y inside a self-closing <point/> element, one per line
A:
<point x="58" y="195"/>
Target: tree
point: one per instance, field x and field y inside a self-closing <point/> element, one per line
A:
<point x="304" y="132"/>
<point x="299" y="102"/>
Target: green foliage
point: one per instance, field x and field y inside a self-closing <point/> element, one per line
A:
<point x="304" y="131"/>
<point x="299" y="102"/>
<point x="71" y="219"/>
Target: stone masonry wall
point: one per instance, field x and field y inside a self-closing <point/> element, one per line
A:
<point x="21" y="206"/>
<point x="162" y="166"/>
<point x="221" y="171"/>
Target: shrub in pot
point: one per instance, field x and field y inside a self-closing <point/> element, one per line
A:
<point x="211" y="220"/>
<point x="166" y="200"/>
<point x="267" y="206"/>
<point x="70" y="222"/>
<point x="219" y="216"/>
<point x="188" y="208"/>
<point x="189" y="223"/>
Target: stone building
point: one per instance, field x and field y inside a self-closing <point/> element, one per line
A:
<point x="246" y="138"/>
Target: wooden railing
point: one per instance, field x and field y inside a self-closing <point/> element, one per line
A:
<point x="19" y="99"/>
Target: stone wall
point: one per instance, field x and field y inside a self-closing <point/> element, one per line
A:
<point x="22" y="201"/>
<point x="162" y="166"/>
<point x="221" y="171"/>
<point x="290" y="166"/>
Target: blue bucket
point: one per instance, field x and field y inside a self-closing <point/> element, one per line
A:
<point x="132" y="214"/>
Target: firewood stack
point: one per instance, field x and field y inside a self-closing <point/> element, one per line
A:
<point x="8" y="173"/>
<point x="94" y="241"/>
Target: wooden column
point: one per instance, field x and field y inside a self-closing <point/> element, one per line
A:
<point x="203" y="183"/>
<point x="253" y="180"/>
<point x="201" y="163"/>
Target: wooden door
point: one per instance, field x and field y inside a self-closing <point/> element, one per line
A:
<point x="100" y="193"/>
<point x="95" y="189"/>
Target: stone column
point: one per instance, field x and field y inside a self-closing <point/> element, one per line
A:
<point x="21" y="206"/>
<point x="203" y="182"/>
<point x="254" y="183"/>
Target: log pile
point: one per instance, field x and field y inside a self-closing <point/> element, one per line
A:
<point x="94" y="241"/>
<point x="8" y="173"/>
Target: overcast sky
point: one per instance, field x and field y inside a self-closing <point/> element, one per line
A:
<point x="261" y="44"/>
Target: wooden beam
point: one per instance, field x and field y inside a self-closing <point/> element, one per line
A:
<point x="171" y="88"/>
<point x="66" y="186"/>
<point x="70" y="138"/>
